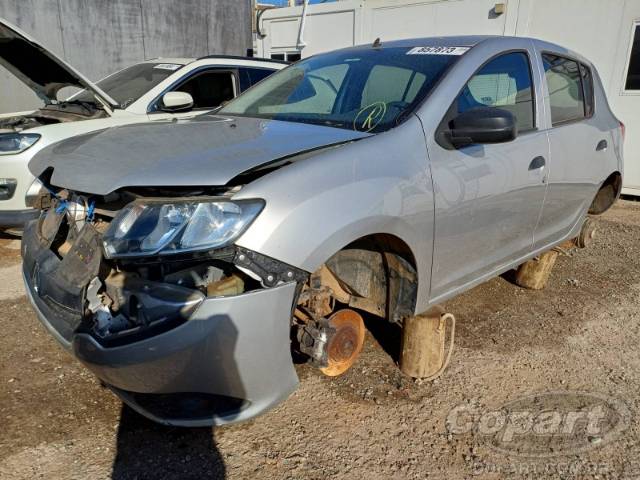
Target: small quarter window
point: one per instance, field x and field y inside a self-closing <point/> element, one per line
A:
<point x="633" y="73"/>
<point x="505" y="83"/>
<point x="587" y="85"/>
<point x="564" y="82"/>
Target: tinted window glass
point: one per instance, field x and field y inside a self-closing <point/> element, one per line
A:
<point x="128" y="85"/>
<point x="587" y="84"/>
<point x="257" y="74"/>
<point x="251" y="76"/>
<point x="633" y="74"/>
<point x="504" y="82"/>
<point x="366" y="89"/>
<point x="209" y="89"/>
<point x="565" y="89"/>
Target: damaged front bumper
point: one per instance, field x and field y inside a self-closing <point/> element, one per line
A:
<point x="229" y="361"/>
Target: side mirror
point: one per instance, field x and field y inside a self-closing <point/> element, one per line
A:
<point x="482" y="125"/>
<point x="176" y="102"/>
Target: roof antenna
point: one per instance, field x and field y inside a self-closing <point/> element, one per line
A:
<point x="377" y="43"/>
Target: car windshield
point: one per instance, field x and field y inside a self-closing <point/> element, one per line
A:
<point x="366" y="90"/>
<point x="128" y="85"/>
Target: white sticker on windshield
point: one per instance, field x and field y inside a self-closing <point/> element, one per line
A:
<point x="438" y="51"/>
<point x="167" y="66"/>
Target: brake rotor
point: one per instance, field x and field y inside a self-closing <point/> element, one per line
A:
<point x="345" y="344"/>
<point x="587" y="234"/>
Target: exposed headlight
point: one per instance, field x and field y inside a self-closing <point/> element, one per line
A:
<point x="12" y="143"/>
<point x="33" y="193"/>
<point x="150" y="228"/>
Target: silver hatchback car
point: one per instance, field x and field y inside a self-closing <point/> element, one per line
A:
<point x="182" y="262"/>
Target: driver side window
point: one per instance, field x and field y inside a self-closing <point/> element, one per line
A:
<point x="505" y="83"/>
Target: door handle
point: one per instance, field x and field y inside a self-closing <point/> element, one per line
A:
<point x="537" y="163"/>
<point x="602" y="145"/>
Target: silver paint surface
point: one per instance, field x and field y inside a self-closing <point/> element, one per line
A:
<point x="204" y="151"/>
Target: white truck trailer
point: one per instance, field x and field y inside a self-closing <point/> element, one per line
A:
<point x="605" y="31"/>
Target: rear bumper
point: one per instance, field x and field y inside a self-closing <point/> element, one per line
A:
<point x="229" y="362"/>
<point x="17" y="218"/>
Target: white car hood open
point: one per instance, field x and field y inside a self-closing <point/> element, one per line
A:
<point x="40" y="69"/>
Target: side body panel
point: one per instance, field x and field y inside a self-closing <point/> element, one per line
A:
<point x="318" y="205"/>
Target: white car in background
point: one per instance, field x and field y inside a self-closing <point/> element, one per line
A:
<point x="155" y="90"/>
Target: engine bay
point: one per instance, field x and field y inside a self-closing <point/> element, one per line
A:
<point x="62" y="112"/>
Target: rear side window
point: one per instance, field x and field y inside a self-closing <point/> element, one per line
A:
<point x="633" y="73"/>
<point x="504" y="82"/>
<point x="566" y="94"/>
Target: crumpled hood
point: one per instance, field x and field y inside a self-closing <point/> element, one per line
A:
<point x="207" y="150"/>
<point x="38" y="68"/>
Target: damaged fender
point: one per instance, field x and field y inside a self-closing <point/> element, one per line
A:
<point x="325" y="193"/>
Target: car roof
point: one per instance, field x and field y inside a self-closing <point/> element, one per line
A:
<point x="468" y="41"/>
<point x="222" y="59"/>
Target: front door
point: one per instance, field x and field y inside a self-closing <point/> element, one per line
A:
<point x="488" y="198"/>
<point x="208" y="88"/>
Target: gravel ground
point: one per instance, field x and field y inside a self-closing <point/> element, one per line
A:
<point x="580" y="334"/>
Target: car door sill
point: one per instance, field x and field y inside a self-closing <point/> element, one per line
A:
<point x="505" y="268"/>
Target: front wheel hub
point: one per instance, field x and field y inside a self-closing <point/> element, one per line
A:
<point x="344" y="346"/>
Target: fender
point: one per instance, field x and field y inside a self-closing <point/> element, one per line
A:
<point x="339" y="195"/>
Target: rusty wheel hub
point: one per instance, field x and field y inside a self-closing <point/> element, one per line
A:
<point x="345" y="345"/>
<point x="587" y="234"/>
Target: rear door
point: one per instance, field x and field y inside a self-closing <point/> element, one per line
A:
<point x="489" y="197"/>
<point x="577" y="147"/>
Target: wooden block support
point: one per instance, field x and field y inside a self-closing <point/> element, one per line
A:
<point x="423" y="344"/>
<point x="534" y="274"/>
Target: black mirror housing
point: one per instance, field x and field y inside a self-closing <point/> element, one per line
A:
<point x="482" y="125"/>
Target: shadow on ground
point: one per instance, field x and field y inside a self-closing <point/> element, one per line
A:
<point x="147" y="450"/>
<point x="388" y="335"/>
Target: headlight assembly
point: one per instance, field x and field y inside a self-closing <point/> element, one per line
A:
<point x="12" y="143"/>
<point x="163" y="228"/>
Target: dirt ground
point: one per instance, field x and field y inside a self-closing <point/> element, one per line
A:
<point x="580" y="334"/>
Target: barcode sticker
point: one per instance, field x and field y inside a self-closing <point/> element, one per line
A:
<point x="438" y="51"/>
<point x="167" y="66"/>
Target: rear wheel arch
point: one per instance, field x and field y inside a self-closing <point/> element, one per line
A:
<point x="607" y="194"/>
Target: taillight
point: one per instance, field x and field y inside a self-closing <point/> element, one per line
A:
<point x="623" y="130"/>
